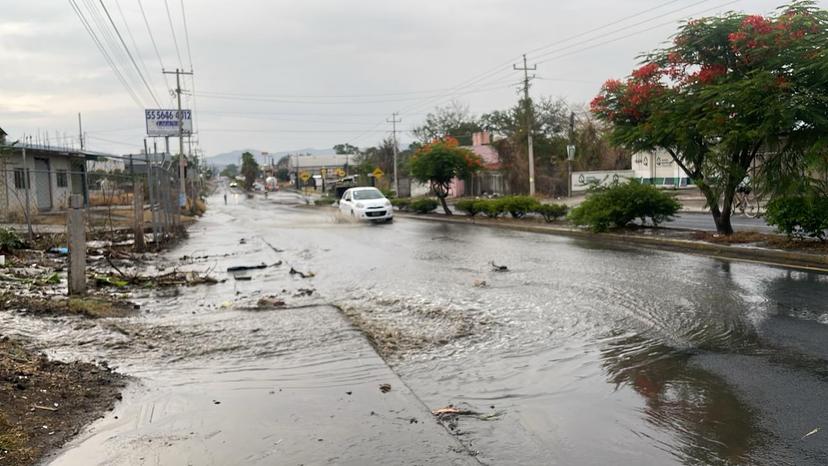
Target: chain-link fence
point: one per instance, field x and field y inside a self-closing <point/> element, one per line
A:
<point x="121" y="195"/>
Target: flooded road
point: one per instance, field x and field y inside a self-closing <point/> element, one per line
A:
<point x="583" y="353"/>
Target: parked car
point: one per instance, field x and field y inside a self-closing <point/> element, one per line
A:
<point x="366" y="204"/>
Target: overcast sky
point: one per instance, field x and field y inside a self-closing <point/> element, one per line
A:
<point x="281" y="75"/>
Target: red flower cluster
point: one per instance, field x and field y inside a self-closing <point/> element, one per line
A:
<point x="647" y="72"/>
<point x="710" y="72"/>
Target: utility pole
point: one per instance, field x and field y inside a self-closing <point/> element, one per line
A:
<point x="182" y="183"/>
<point x="394" y="120"/>
<point x="529" y="121"/>
<point x="570" y="154"/>
<point x="80" y="131"/>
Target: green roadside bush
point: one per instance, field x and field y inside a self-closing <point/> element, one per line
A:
<point x="551" y="212"/>
<point x="491" y="208"/>
<point x="327" y="200"/>
<point x="471" y="207"/>
<point x="401" y="203"/>
<point x="519" y="206"/>
<point x="388" y="193"/>
<point x="10" y="240"/>
<point x="424" y="205"/>
<point x="618" y="205"/>
<point x="799" y="216"/>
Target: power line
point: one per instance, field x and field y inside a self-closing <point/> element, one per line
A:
<point x="134" y="43"/>
<point x="172" y="29"/>
<point x="154" y="44"/>
<point x="129" y="54"/>
<point x="625" y="36"/>
<point x="103" y="51"/>
<point x="110" y="42"/>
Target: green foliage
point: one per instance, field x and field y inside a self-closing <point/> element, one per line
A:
<point x="250" y="170"/>
<point x="283" y="174"/>
<point x="326" y="200"/>
<point x="423" y="205"/>
<point x="388" y="193"/>
<point x="453" y="120"/>
<point x="799" y="216"/>
<point x="470" y="206"/>
<point x="618" y="205"/>
<point x="440" y="162"/>
<point x="402" y="203"/>
<point x="519" y="206"/>
<point x="727" y="89"/>
<point x="491" y="208"/>
<point x="551" y="212"/>
<point x="345" y="149"/>
<point x="10" y="240"/>
<point x="230" y="171"/>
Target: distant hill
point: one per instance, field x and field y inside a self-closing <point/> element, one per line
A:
<point x="226" y="158"/>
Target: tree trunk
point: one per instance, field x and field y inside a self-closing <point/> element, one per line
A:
<point x="721" y="216"/>
<point x="445" y="205"/>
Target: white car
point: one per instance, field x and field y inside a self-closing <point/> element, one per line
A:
<point x="366" y="204"/>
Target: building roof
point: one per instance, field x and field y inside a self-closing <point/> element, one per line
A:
<point x="3" y="133"/>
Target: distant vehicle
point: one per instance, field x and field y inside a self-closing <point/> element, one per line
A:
<point x="366" y="204"/>
<point x="233" y="184"/>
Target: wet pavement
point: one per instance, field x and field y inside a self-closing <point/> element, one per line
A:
<point x="581" y="353"/>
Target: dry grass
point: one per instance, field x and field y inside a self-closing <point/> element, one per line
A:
<point x="101" y="199"/>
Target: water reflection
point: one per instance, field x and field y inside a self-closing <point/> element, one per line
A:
<point x="710" y="424"/>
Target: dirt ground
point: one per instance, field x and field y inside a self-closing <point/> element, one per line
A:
<point x="44" y="403"/>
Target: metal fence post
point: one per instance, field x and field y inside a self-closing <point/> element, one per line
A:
<point x="76" y="233"/>
<point x="138" y="215"/>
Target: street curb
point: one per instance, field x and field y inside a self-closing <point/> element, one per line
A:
<point x="772" y="257"/>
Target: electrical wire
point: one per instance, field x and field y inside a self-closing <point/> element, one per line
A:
<point x="129" y="54"/>
<point x="172" y="29"/>
<point x="103" y="51"/>
<point x="134" y="44"/>
<point x="154" y="45"/>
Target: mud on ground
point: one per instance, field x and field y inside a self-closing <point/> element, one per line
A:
<point x="44" y="403"/>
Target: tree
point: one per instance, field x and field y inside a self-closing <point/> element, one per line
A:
<point x="230" y="171"/>
<point x="346" y="148"/>
<point x="728" y="88"/>
<point x="440" y="162"/>
<point x="453" y="120"/>
<point x="249" y="169"/>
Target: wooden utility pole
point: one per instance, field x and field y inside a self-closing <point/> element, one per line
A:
<point x="182" y="164"/>
<point x="529" y="121"/>
<point x="394" y="120"/>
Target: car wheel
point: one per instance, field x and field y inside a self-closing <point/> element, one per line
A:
<point x="389" y="220"/>
<point x="353" y="214"/>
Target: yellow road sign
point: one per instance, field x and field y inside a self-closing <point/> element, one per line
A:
<point x="304" y="176"/>
<point x="323" y="171"/>
<point x="377" y="173"/>
<point x="340" y="172"/>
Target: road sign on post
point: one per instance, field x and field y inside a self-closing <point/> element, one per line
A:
<point x="378" y="173"/>
<point x="304" y="176"/>
<point x="570" y="152"/>
<point x="340" y="172"/>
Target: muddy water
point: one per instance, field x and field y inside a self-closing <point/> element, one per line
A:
<point x="585" y="354"/>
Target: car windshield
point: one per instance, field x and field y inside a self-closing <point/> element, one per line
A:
<point x="364" y="194"/>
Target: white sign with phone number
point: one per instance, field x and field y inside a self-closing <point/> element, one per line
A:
<point x="164" y="122"/>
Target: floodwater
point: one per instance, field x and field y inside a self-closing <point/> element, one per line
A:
<point x="583" y="353"/>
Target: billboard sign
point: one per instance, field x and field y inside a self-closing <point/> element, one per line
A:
<point x="164" y="122"/>
<point x="582" y="181"/>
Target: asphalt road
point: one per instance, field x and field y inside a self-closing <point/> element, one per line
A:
<point x="579" y="353"/>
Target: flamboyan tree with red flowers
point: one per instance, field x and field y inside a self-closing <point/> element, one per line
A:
<point x="728" y="89"/>
<point x="439" y="162"/>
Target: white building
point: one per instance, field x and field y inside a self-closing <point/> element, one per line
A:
<point x="659" y="168"/>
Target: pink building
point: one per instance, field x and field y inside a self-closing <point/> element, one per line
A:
<point x="489" y="180"/>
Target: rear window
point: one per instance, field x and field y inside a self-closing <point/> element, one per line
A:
<point x="365" y="194"/>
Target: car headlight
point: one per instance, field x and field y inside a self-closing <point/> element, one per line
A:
<point x="359" y="205"/>
<point x="387" y="203"/>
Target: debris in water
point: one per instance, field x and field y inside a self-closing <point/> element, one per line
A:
<point x="243" y="278"/>
<point x="301" y="274"/>
<point x="499" y="268"/>
<point x="480" y="284"/>
<point x="242" y="241"/>
<point x="385" y="388"/>
<point x="269" y="302"/>
<point x="240" y="268"/>
<point x="810" y="433"/>
<point x="303" y="292"/>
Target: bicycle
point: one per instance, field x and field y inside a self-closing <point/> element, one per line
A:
<point x="746" y="203"/>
